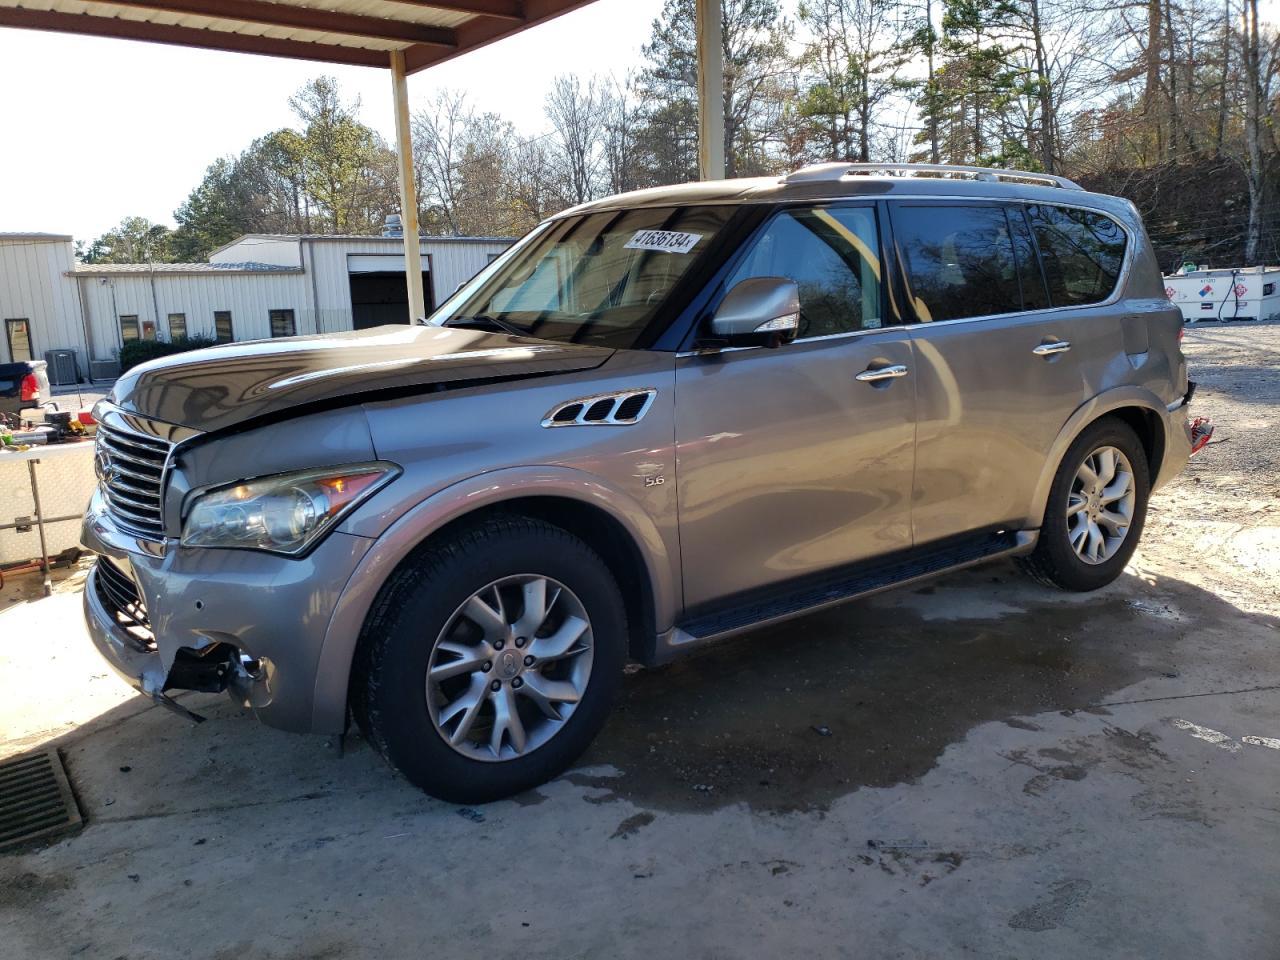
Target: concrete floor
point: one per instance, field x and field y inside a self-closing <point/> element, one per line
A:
<point x="980" y="767"/>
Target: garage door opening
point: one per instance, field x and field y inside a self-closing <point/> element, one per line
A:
<point x="378" y="298"/>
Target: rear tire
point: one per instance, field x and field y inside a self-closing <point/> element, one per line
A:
<point x="451" y="652"/>
<point x="1092" y="521"/>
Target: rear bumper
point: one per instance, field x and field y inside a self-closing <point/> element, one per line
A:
<point x="237" y="605"/>
<point x="1178" y="441"/>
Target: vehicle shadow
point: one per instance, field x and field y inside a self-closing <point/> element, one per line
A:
<point x="870" y="694"/>
<point x="788" y="718"/>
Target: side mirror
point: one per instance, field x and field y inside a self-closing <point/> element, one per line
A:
<point x="758" y="311"/>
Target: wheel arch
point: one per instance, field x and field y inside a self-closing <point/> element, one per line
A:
<point x="1138" y="407"/>
<point x="611" y="522"/>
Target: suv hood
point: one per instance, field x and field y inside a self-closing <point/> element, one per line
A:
<point x="223" y="386"/>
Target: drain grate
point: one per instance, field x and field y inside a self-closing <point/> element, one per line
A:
<point x="35" y="799"/>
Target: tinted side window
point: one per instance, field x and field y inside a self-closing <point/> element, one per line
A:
<point x="960" y="260"/>
<point x="1081" y="250"/>
<point x="1034" y="294"/>
<point x="832" y="255"/>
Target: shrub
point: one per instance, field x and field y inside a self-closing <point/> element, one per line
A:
<point x="140" y="351"/>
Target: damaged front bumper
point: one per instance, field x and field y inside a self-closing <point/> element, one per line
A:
<point x="247" y="622"/>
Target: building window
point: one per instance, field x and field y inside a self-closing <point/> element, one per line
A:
<point x="222" y="332"/>
<point x="19" y="335"/>
<point x="148" y="329"/>
<point x="282" y="324"/>
<point x="129" y="329"/>
<point x="177" y="326"/>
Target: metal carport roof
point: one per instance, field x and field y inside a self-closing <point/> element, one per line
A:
<point x="357" y="32"/>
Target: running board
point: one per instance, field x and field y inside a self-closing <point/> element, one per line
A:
<point x="773" y="605"/>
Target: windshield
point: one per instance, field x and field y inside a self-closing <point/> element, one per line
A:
<point x="599" y="278"/>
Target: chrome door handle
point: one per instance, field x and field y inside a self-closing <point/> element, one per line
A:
<point x="1049" y="349"/>
<point x="891" y="372"/>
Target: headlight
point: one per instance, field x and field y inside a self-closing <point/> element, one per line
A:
<point x="286" y="513"/>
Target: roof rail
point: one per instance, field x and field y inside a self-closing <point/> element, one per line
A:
<point x="819" y="172"/>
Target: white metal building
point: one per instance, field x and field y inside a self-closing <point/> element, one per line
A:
<point x="258" y="286"/>
<point x="35" y="292"/>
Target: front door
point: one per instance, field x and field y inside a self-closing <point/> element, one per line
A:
<point x="787" y="462"/>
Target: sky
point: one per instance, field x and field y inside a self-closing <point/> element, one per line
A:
<point x="97" y="129"/>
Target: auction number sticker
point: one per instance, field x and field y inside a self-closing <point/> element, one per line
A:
<point x="667" y="241"/>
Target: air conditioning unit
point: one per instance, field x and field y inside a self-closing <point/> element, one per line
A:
<point x="103" y="369"/>
<point x="63" y="369"/>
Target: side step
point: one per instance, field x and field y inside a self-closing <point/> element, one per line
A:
<point x="762" y="607"/>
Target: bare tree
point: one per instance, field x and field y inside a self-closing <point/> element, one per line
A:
<point x="483" y="174"/>
<point x="620" y="117"/>
<point x="1259" y="48"/>
<point x="439" y="142"/>
<point x="532" y="185"/>
<point x="577" y="115"/>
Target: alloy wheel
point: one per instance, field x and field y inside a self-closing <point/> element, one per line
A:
<point x="1100" y="505"/>
<point x="509" y="668"/>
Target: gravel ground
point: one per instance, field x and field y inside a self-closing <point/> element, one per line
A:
<point x="1219" y="522"/>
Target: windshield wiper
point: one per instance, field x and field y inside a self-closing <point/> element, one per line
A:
<point x="485" y="320"/>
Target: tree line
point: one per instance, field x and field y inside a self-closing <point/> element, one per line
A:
<point x="1171" y="103"/>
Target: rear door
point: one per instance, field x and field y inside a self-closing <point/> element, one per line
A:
<point x="788" y="462"/>
<point x="1005" y="350"/>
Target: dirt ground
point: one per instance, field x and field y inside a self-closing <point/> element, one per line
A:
<point x="978" y="767"/>
<point x="1222" y="516"/>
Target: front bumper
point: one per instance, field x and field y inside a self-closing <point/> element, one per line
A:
<point x="271" y="610"/>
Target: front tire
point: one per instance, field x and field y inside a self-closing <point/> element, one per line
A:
<point x="491" y="660"/>
<point x="1095" y="512"/>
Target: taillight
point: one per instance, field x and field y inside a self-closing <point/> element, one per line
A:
<point x="30" y="389"/>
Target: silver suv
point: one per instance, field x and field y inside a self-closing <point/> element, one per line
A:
<point x="659" y="420"/>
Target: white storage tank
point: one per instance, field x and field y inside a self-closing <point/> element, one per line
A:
<point x="1242" y="293"/>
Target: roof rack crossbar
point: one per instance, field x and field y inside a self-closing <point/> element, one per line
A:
<point x="835" y="171"/>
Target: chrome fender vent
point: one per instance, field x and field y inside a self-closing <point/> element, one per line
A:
<point x="605" y="410"/>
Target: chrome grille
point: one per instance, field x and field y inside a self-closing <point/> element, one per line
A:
<point x="130" y="468"/>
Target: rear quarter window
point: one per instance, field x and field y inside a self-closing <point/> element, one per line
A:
<point x="1082" y="252"/>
